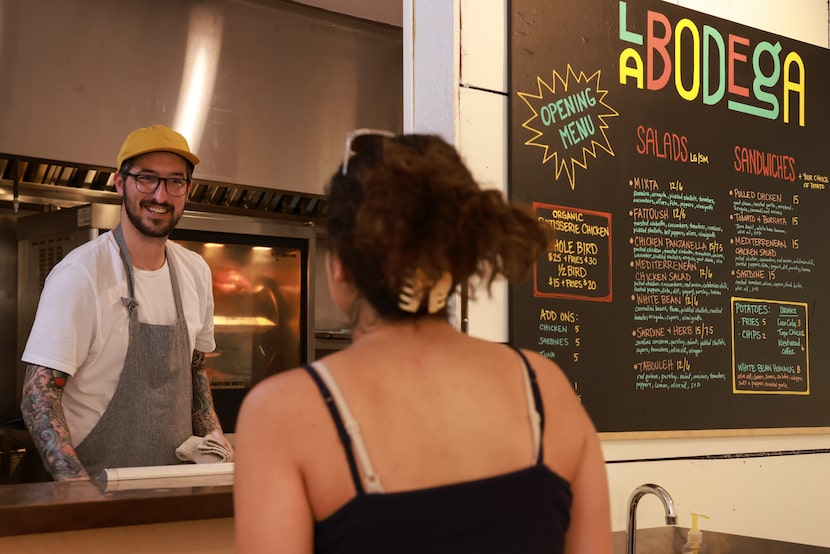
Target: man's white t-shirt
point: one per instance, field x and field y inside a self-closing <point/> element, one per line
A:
<point x="82" y="325"/>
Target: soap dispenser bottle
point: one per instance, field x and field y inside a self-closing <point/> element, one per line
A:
<point x="694" y="539"/>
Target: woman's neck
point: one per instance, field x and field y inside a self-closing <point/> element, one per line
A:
<point x="380" y="329"/>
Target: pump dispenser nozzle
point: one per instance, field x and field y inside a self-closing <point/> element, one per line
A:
<point x="694" y="539"/>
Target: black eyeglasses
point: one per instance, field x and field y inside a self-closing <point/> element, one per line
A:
<point x="148" y="184"/>
<point x="360" y="140"/>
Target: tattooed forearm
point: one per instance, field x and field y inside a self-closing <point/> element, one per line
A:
<point x="44" y="418"/>
<point x="203" y="413"/>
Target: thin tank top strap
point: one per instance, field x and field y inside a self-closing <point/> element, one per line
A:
<point x="338" y="423"/>
<point x="347" y="428"/>
<point x="535" y="408"/>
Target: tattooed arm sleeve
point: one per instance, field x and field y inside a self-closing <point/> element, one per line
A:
<point x="43" y="414"/>
<point x="204" y="414"/>
<point x="205" y="420"/>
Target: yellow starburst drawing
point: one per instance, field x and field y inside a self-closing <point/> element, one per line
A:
<point x="551" y="104"/>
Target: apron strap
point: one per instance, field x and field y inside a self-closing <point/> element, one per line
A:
<point x="129" y="301"/>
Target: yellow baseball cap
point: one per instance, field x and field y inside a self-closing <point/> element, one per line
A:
<point x="156" y="138"/>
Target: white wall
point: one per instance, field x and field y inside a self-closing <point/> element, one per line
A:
<point x="462" y="44"/>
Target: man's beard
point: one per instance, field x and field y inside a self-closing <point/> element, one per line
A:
<point x="156" y="231"/>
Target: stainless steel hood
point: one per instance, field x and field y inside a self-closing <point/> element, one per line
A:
<point x="264" y="90"/>
<point x="35" y="181"/>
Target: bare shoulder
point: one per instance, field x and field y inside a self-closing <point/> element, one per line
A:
<point x="279" y="405"/>
<point x="557" y="389"/>
<point x="280" y="392"/>
<point x="548" y="373"/>
<point x="568" y="427"/>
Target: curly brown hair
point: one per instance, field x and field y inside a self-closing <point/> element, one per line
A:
<point x="408" y="203"/>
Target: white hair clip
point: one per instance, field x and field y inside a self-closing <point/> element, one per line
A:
<point x="439" y="292"/>
<point x="412" y="293"/>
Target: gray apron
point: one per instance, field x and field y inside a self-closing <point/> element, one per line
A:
<point x="150" y="413"/>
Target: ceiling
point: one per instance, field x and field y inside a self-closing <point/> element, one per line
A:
<point x="384" y="11"/>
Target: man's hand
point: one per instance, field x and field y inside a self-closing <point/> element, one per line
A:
<point x="220" y="436"/>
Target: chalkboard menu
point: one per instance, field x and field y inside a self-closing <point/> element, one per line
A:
<point x="682" y="161"/>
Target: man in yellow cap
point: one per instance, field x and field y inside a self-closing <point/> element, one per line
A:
<point x="115" y="374"/>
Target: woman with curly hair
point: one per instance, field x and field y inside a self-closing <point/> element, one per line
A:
<point x="418" y="437"/>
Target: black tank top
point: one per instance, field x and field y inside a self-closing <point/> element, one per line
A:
<point x="525" y="511"/>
